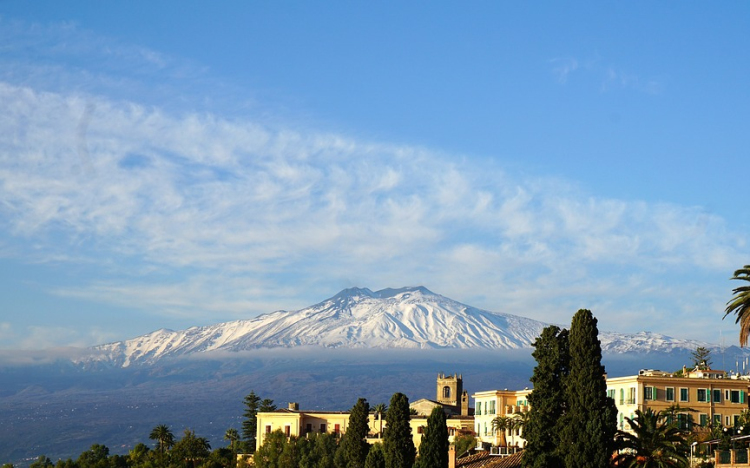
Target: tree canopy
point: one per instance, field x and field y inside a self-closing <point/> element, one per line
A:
<point x="397" y="440"/>
<point x="739" y="304"/>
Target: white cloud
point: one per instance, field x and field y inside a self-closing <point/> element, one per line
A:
<point x="563" y="67"/>
<point x="241" y="203"/>
<point x="185" y="212"/>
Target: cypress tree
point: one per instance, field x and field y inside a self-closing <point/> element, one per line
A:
<point x="354" y="446"/>
<point x="433" y="450"/>
<point x="547" y="400"/>
<point x="589" y="425"/>
<point x="397" y="440"/>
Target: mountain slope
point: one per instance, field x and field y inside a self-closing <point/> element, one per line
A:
<point x="360" y="318"/>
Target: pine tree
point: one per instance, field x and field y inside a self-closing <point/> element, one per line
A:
<point x="547" y="400"/>
<point x="250" y="424"/>
<point x="354" y="446"/>
<point x="701" y="358"/>
<point x="266" y="406"/>
<point x="397" y="440"/>
<point x="589" y="424"/>
<point x="433" y="450"/>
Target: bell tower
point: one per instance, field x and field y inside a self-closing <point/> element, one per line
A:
<point x="450" y="390"/>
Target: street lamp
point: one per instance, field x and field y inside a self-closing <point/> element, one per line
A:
<point x="692" y="449"/>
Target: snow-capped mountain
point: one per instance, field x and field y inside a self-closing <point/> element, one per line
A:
<point x="359" y="318"/>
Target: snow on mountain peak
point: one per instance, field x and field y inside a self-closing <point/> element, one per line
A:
<point x="410" y="317"/>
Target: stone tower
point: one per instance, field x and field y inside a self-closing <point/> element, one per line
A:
<point x="450" y="392"/>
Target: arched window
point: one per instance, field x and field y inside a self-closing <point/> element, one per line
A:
<point x="446" y="392"/>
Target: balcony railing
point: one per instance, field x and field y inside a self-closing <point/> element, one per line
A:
<point x="503" y="451"/>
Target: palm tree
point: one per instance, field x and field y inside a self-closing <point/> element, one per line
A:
<point x="671" y="415"/>
<point x="517" y="422"/>
<point x="653" y="443"/>
<point x="502" y="423"/>
<point x="740" y="304"/>
<point x="233" y="436"/>
<point x="380" y="409"/>
<point x="163" y="436"/>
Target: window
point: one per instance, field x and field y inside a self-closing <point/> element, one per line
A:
<point x="446" y="392"/>
<point x="478" y="412"/>
<point x="649" y="393"/>
<point x="717" y="397"/>
<point x="704" y="420"/>
<point x="611" y="393"/>
<point x="322" y="428"/>
<point x="684" y="421"/>
<point x="492" y="407"/>
<point x="622" y="396"/>
<point x="670" y="393"/>
<point x="702" y="395"/>
<point x="736" y="420"/>
<point x="737" y="396"/>
<point x="684" y="394"/>
<point x="268" y="429"/>
<point x="420" y="430"/>
<point x="717" y="420"/>
<point x="337" y="428"/>
<point x="631" y="396"/>
<point x="308" y="428"/>
<point x="287" y="430"/>
<point x="485" y="428"/>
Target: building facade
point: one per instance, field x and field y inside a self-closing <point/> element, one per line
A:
<point x="695" y="397"/>
<point x="294" y="422"/>
<point x="490" y="404"/>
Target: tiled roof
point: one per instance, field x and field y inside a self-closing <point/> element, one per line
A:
<point x="485" y="460"/>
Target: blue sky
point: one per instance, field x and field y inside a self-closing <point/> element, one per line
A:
<point x="169" y="164"/>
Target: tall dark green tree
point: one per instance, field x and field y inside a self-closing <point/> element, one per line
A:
<point x="354" y="446"/>
<point x="397" y="441"/>
<point x="433" y="450"/>
<point x="589" y="423"/>
<point x="250" y="423"/>
<point x="547" y="399"/>
<point x="740" y="304"/>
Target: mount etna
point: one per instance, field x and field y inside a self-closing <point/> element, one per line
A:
<point x="358" y="343"/>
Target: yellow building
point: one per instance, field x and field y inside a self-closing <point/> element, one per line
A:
<point x="294" y="422"/>
<point x="703" y="396"/>
<point x="493" y="403"/>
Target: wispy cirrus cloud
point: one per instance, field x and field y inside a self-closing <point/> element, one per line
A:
<point x="207" y="207"/>
<point x="202" y="211"/>
<point x="609" y="77"/>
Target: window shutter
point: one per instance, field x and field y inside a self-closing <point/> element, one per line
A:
<point x="742" y="396"/>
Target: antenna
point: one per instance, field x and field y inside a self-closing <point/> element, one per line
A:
<point x="721" y="348"/>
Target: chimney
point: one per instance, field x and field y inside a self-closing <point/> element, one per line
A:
<point x="293" y="406"/>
